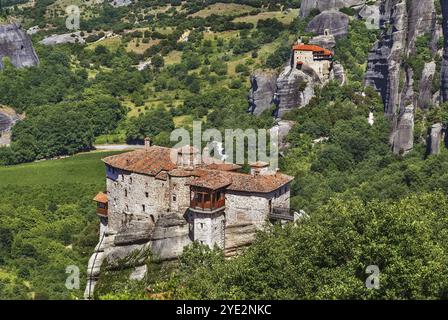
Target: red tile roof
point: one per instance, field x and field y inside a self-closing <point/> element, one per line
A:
<point x="146" y="161"/>
<point x="312" y="47"/>
<point x="242" y="182"/>
<point x="156" y="161"/>
<point x="101" y="197"/>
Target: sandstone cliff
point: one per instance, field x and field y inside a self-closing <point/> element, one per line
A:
<point x="16" y="45"/>
<point x="390" y="70"/>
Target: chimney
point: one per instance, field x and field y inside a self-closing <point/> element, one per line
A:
<point x="147" y="143"/>
<point x="259" y="168"/>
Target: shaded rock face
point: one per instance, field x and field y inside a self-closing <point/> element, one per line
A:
<point x="16" y="45"/>
<point x="295" y="88"/>
<point x="323" y="5"/>
<point x="435" y="137"/>
<point x="403" y="136"/>
<point x="263" y="86"/>
<point x="444" y="71"/>
<point x="334" y="21"/>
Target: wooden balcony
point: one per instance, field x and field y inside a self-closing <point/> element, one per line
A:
<point x="101" y="200"/>
<point x="278" y="213"/>
<point x="101" y="211"/>
<point x="207" y="200"/>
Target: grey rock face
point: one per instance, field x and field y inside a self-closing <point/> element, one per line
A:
<point x="403" y="136"/>
<point x="171" y="234"/>
<point x="323" y="5"/>
<point x="435" y="138"/>
<point x="444" y="71"/>
<point x="295" y="88"/>
<point x="424" y="96"/>
<point x="422" y="20"/>
<point x="263" y="85"/>
<point x="324" y="41"/>
<point x="334" y="21"/>
<point x="16" y="44"/>
<point x="338" y="73"/>
<point x="8" y="117"/>
<point x="383" y="66"/>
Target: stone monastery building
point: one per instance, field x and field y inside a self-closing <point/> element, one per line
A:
<point x="154" y="203"/>
<point x="313" y="56"/>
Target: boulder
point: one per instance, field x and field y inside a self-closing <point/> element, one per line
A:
<point x="323" y="5"/>
<point x="435" y="137"/>
<point x="263" y="85"/>
<point x="335" y="22"/>
<point x="16" y="44"/>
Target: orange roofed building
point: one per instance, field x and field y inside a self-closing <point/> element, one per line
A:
<point x="156" y="203"/>
<point x="313" y="56"/>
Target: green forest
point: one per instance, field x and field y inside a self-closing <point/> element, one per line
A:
<point x="364" y="205"/>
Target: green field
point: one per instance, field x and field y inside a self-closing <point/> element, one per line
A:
<point x="82" y="168"/>
<point x="48" y="222"/>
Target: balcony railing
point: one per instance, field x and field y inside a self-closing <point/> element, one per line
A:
<point x="207" y="205"/>
<point x="101" y="211"/>
<point x="278" y="213"/>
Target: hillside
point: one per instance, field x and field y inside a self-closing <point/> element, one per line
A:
<point x="47" y="222"/>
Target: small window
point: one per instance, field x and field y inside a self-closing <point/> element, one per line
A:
<point x="174" y="197"/>
<point x="130" y="180"/>
<point x="122" y="178"/>
<point x="147" y="194"/>
<point x="202" y="225"/>
<point x="143" y="207"/>
<point x="125" y="192"/>
<point x="127" y="208"/>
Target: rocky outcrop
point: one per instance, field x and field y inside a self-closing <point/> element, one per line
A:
<point x="263" y="86"/>
<point x="444" y="71"/>
<point x="383" y="66"/>
<point x="421" y="21"/>
<point x="16" y="45"/>
<point x="170" y="235"/>
<point x="323" y="5"/>
<point x="435" y="138"/>
<point x="338" y="73"/>
<point x="403" y="136"/>
<point x="164" y="239"/>
<point x="425" y="95"/>
<point x="295" y="88"/>
<point x="55" y="39"/>
<point x="8" y="117"/>
<point x="332" y="21"/>
<point x="324" y="41"/>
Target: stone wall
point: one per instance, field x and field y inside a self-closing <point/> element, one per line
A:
<point x="209" y="228"/>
